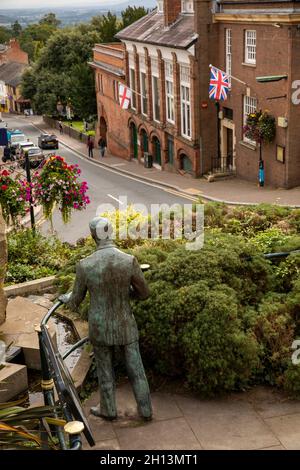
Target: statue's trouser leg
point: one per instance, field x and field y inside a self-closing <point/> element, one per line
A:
<point x="138" y="379"/>
<point x="103" y="356"/>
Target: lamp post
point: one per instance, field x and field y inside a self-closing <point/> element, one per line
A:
<point x="267" y="79"/>
<point x="28" y="177"/>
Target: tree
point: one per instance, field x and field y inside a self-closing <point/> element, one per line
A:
<point x="132" y="14"/>
<point x="82" y="91"/>
<point x="50" y="20"/>
<point x="16" y="29"/>
<point x="106" y="25"/>
<point x="5" y="34"/>
<point x="33" y="34"/>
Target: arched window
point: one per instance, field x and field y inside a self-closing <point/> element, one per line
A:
<point x="185" y="164"/>
<point x="145" y="141"/>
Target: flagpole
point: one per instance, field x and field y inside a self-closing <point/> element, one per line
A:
<point x="231" y="76"/>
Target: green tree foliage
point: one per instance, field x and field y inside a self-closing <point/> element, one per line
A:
<point x="34" y="37"/>
<point x="5" y="35"/>
<point x="51" y="20"/>
<point x="106" y="25"/>
<point x="16" y="29"/>
<point x="132" y="14"/>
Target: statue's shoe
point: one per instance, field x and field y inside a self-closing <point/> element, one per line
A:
<point x="147" y="418"/>
<point x="95" y="410"/>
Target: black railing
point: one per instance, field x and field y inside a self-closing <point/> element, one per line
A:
<point x="223" y="165"/>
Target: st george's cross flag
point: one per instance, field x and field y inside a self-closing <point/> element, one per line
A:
<point x="124" y="96"/>
<point x="218" y="85"/>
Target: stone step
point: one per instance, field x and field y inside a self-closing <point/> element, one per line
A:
<point x="13" y="381"/>
<point x="22" y="316"/>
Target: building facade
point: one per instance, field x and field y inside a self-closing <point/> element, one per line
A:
<point x="256" y="40"/>
<point x="165" y="57"/>
<point x="157" y="62"/>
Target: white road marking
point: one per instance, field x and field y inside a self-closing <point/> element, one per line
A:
<point x="111" y="170"/>
<point x="115" y="199"/>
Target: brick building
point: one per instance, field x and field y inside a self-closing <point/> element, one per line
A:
<point x="12" y="52"/>
<point x="110" y="69"/>
<point x="13" y="62"/>
<point x="165" y="57"/>
<point x="259" y="39"/>
<point x="156" y="59"/>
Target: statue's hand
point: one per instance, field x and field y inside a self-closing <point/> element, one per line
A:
<point x="65" y="298"/>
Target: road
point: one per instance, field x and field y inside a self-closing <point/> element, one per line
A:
<point x="105" y="187"/>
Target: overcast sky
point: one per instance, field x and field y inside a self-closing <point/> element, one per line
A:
<point x="55" y="3"/>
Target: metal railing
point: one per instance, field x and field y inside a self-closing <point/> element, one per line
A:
<point x="223" y="165"/>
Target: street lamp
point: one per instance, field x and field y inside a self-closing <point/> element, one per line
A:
<point x="267" y="79"/>
<point x="28" y="177"/>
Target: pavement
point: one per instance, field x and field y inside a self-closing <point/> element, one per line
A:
<point x="231" y="191"/>
<point x="260" y="419"/>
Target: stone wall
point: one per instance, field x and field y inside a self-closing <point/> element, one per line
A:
<point x="3" y="260"/>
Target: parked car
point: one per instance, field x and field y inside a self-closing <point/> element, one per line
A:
<point x="48" y="141"/>
<point x="35" y="154"/>
<point x="15" y="138"/>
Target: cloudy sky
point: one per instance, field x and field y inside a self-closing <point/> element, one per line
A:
<point x="55" y="3"/>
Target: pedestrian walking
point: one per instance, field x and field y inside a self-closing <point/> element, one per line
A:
<point x="102" y="146"/>
<point x="90" y="145"/>
<point x="61" y="129"/>
<point x="6" y="154"/>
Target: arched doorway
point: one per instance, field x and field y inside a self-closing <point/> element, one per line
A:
<point x="134" y="140"/>
<point x="185" y="164"/>
<point x="103" y="128"/>
<point x="156" y="150"/>
<point x="145" y="141"/>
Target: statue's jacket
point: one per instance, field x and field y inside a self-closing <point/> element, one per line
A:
<point x="109" y="275"/>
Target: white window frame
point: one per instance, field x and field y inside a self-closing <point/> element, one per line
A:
<point x="185" y="102"/>
<point x="144" y="93"/>
<point x="228" y="54"/>
<point x="170" y="100"/>
<point x="155" y="76"/>
<point x="133" y="86"/>
<point x="187" y="6"/>
<point x="250" y="46"/>
<point x="249" y="107"/>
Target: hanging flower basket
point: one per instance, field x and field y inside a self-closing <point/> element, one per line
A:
<point x="260" y="127"/>
<point x="58" y="184"/>
<point x="14" y="194"/>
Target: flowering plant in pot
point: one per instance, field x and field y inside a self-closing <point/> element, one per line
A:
<point x="260" y="127"/>
<point x="58" y="184"/>
<point x="13" y="196"/>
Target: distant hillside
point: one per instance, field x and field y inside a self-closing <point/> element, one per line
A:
<point x="69" y="15"/>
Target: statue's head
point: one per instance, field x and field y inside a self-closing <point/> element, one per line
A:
<point x="101" y="230"/>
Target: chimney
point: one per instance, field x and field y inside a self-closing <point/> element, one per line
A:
<point x="172" y="8"/>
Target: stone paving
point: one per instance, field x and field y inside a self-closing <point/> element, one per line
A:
<point x="258" y="419"/>
<point x="233" y="190"/>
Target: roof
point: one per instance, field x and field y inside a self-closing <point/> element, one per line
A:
<point x="151" y="29"/>
<point x="107" y="68"/>
<point x="11" y="73"/>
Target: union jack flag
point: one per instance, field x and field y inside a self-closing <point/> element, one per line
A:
<point x="218" y="85"/>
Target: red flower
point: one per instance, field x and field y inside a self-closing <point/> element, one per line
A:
<point x="4" y="187"/>
<point x="5" y="173"/>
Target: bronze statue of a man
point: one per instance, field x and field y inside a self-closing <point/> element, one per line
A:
<point x="111" y="277"/>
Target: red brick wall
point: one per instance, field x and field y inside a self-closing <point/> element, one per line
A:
<point x="272" y="59"/>
<point x="118" y="142"/>
<point x="14" y="53"/>
<point x="172" y="8"/>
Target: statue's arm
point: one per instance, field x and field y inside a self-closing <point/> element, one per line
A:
<point x="74" y="298"/>
<point x="138" y="282"/>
